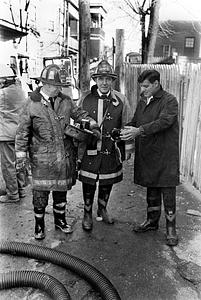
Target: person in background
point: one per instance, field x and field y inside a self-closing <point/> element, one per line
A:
<point x="102" y="161"/>
<point x="41" y="134"/>
<point x="156" y="132"/>
<point x="12" y="99"/>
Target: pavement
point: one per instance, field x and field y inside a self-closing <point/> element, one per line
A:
<point x="140" y="266"/>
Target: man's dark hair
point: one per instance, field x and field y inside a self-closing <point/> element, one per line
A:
<point x="150" y="75"/>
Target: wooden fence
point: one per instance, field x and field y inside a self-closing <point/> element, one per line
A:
<point x="171" y="80"/>
<point x="191" y="140"/>
<point x="186" y="86"/>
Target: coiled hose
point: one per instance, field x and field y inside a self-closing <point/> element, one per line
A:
<point x="75" y="264"/>
<point x="38" y="280"/>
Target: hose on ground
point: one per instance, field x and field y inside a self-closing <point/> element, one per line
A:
<point x="75" y="264"/>
<point x="38" y="280"/>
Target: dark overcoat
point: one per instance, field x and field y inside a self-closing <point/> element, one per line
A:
<point x="41" y="134"/>
<point x="157" y="149"/>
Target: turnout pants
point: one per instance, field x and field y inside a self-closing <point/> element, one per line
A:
<point x="14" y="181"/>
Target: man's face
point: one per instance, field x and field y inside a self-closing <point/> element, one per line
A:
<point x="104" y="84"/>
<point x="53" y="90"/>
<point x="148" y="89"/>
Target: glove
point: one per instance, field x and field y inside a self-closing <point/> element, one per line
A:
<point x="21" y="163"/>
<point x="96" y="131"/>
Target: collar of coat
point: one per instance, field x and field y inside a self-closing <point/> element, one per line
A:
<point x="37" y="97"/>
<point x="159" y="93"/>
<point x="112" y="96"/>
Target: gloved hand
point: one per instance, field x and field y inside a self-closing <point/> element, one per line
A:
<point x="21" y="163"/>
<point x="96" y="131"/>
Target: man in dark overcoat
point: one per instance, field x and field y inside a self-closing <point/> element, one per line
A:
<point x="41" y="136"/>
<point x="156" y="132"/>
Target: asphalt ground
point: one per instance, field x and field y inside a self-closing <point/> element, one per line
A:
<point x="140" y="266"/>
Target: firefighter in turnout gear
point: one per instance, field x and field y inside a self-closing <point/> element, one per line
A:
<point x="156" y="132"/>
<point x="12" y="99"/>
<point x="41" y="134"/>
<point x="102" y="161"/>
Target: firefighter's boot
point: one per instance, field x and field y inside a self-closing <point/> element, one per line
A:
<point x="103" y="197"/>
<point x="59" y="210"/>
<point x="153" y="211"/>
<point x="88" y="195"/>
<point x="171" y="235"/>
<point x="87" y="222"/>
<point x="39" y="223"/>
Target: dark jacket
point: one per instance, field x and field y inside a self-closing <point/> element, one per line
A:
<point x="157" y="149"/>
<point x="103" y="160"/>
<point x="41" y="134"/>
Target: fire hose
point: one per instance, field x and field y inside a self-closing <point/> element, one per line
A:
<point x="34" y="279"/>
<point x="72" y="263"/>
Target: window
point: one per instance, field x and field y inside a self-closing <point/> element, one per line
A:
<point x="166" y="50"/>
<point x="189" y="42"/>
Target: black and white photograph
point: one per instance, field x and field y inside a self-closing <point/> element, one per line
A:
<point x="100" y="150"/>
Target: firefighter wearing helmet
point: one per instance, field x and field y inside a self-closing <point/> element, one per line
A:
<point x="102" y="162"/>
<point x="41" y="137"/>
<point x="12" y="99"/>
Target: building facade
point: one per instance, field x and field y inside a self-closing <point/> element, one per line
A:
<point x="35" y="29"/>
<point x="179" y="39"/>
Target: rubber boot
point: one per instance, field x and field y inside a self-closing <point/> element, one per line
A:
<point x="153" y="211"/>
<point x="88" y="195"/>
<point x="59" y="211"/>
<point x="39" y="223"/>
<point x="171" y="235"/>
<point x="153" y="216"/>
<point x="169" y="199"/>
<point x="87" y="222"/>
<point x="103" y="197"/>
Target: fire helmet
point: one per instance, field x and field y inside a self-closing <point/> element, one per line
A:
<point x="54" y="75"/>
<point x="104" y="69"/>
<point x="6" y="72"/>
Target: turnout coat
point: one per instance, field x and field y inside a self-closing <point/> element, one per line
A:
<point x="157" y="149"/>
<point x="103" y="161"/>
<point x="12" y="100"/>
<point x="41" y="134"/>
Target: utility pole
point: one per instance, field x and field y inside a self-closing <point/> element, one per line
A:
<point x="65" y="24"/>
<point x="84" y="45"/>
<point x="153" y="28"/>
<point x="113" y="52"/>
<point x="119" y="57"/>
